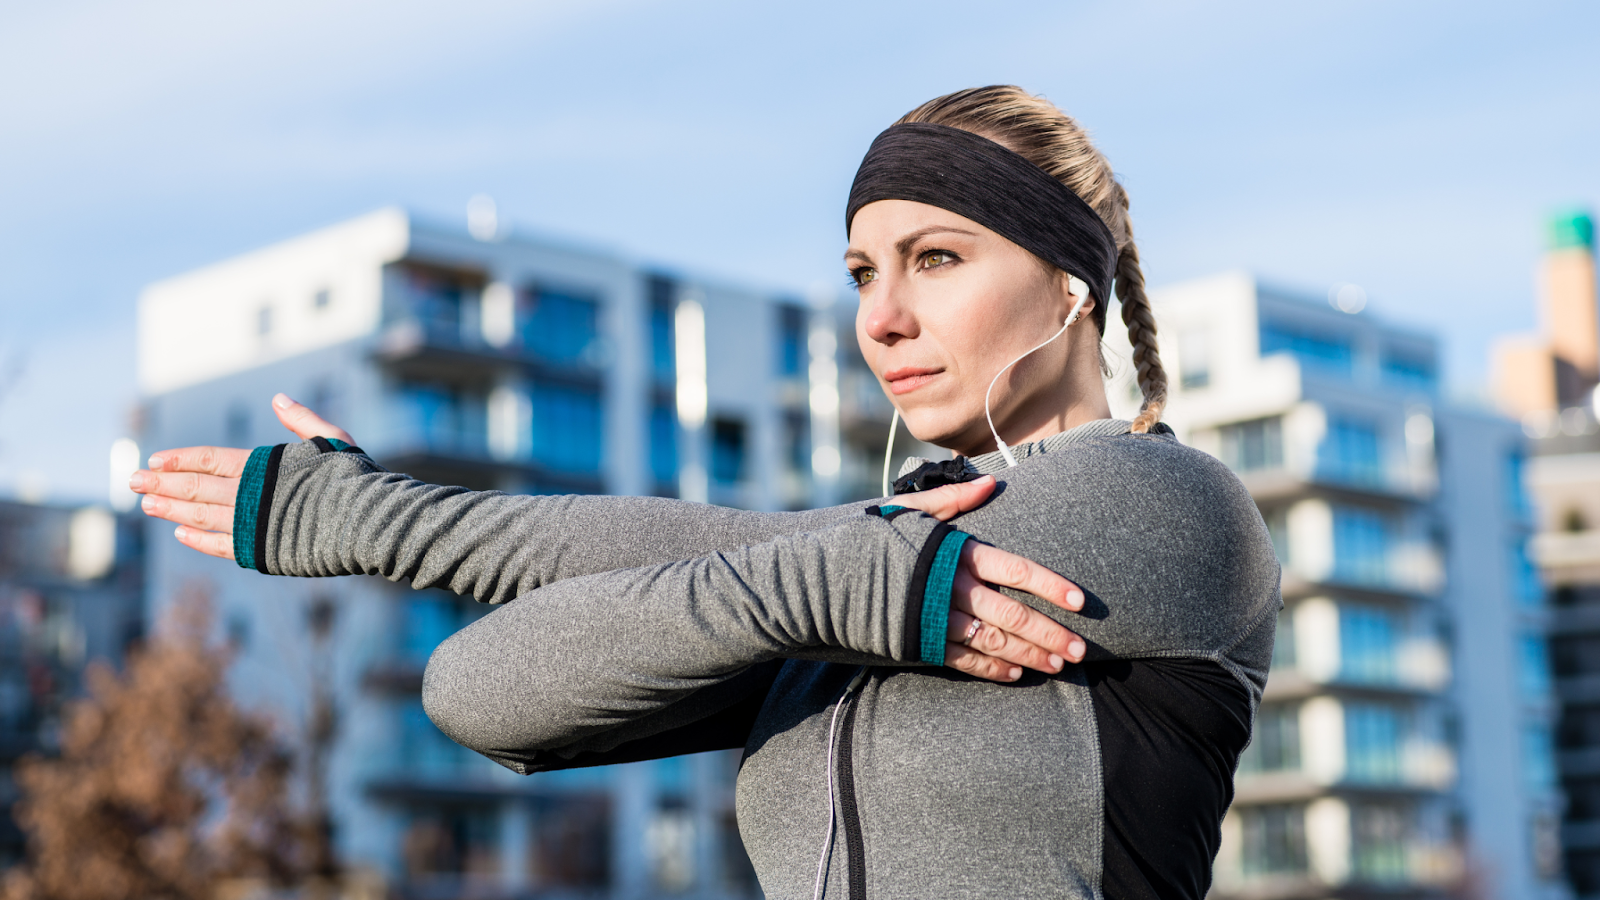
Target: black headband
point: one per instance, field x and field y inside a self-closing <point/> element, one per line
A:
<point x="975" y="177"/>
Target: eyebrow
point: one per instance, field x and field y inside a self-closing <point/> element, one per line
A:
<point x="903" y="246"/>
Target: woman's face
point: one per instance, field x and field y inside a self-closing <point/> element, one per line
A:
<point x="945" y="304"/>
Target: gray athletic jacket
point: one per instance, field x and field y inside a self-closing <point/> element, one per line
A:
<point x="646" y="627"/>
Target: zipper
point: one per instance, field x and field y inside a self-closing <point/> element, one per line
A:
<point x="854" y="851"/>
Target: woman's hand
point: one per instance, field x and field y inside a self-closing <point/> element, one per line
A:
<point x="196" y="486"/>
<point x="990" y="635"/>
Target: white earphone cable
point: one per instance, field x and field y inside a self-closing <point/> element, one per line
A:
<point x="888" y="450"/>
<point x="827" y="841"/>
<point x="1005" y="451"/>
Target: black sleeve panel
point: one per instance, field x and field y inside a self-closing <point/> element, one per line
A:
<point x="1171" y="731"/>
<point x="726" y="729"/>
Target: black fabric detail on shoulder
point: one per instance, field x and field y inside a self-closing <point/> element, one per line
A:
<point x="930" y="475"/>
<point x="919" y="587"/>
<point x="269" y="485"/>
<point x="325" y="445"/>
<point x="1171" y="731"/>
<point x="726" y="729"/>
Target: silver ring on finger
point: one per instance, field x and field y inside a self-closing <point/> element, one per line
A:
<point x="972" y="632"/>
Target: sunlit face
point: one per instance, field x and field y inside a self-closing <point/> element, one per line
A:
<point x="945" y="304"/>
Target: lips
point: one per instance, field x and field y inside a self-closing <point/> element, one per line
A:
<point x="909" y="378"/>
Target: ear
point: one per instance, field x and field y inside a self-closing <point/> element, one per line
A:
<point x="1075" y="289"/>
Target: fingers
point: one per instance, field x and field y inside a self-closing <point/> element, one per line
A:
<point x="946" y="502"/>
<point x="305" y="423"/>
<point x="225" y="461"/>
<point x="207" y="542"/>
<point x="190" y="486"/>
<point x="978" y="665"/>
<point x="1005" y="614"/>
<point x="1000" y="644"/>
<point x="996" y="566"/>
<point x="204" y="516"/>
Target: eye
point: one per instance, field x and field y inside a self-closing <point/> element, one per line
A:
<point x="936" y="258"/>
<point x="863" y="275"/>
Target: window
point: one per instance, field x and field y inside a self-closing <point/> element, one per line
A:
<point x="1273" y="840"/>
<point x="1371" y="743"/>
<point x="558" y="327"/>
<point x="1360" y="545"/>
<point x="664" y="443"/>
<point x="1194" y="358"/>
<point x="567" y="429"/>
<point x="1516" y="476"/>
<point x="1534" y="670"/>
<point x="663" y="294"/>
<point x="1253" y="446"/>
<point x="1538" y="757"/>
<point x="432" y="298"/>
<point x="572" y="842"/>
<point x="1525" y="584"/>
<point x="1367" y="644"/>
<point x="424" y="750"/>
<point x="1378" y="838"/>
<point x="1283" y="650"/>
<point x="454" y="840"/>
<point x="797" y="441"/>
<point x="263" y="321"/>
<point x="791" y="342"/>
<point x="1278" y="530"/>
<point x="1407" y="370"/>
<point x="1317" y="351"/>
<point x="432" y="414"/>
<point x="1276" y="744"/>
<point x="727" y="451"/>
<point x="1350" y="452"/>
<point x="426" y="621"/>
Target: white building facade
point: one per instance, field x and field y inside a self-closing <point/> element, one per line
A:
<point x="1391" y="752"/>
<point x="508" y="363"/>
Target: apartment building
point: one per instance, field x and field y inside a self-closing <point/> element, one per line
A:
<point x="1388" y="758"/>
<point x="506" y="362"/>
<point x="1548" y="381"/>
<point x="71" y="593"/>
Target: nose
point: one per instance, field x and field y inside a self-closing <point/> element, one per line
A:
<point x="887" y="317"/>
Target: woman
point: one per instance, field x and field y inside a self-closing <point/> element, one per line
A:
<point x="839" y="647"/>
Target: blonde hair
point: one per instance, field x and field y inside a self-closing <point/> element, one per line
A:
<point x="1036" y="129"/>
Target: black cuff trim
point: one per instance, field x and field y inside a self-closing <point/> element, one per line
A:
<point x="269" y="485"/>
<point x="889" y="512"/>
<point x="919" y="586"/>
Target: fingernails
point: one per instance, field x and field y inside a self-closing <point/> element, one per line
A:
<point x="181" y="533"/>
<point x="148" y="504"/>
<point x="282" y="401"/>
<point x="1075" y="649"/>
<point x="1075" y="599"/>
<point x="155" y="463"/>
<point x="1014" y="673"/>
<point x="1056" y="663"/>
<point x="135" y="481"/>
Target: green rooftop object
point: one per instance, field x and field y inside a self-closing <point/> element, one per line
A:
<point x="1570" y="228"/>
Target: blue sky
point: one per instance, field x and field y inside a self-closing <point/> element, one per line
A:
<point x="1413" y="149"/>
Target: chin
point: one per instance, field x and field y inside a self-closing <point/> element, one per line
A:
<point x="942" y="429"/>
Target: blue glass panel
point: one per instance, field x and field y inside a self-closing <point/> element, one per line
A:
<point x="1525" y="583"/>
<point x="558" y="327"/>
<point x="1408" y="373"/>
<point x="663" y="443"/>
<point x="567" y="429"/>
<point x="428" y="621"/>
<point x="1316" y="351"/>
<point x="1350" y="452"/>
<point x="1516" y="477"/>
<point x="1366" y="644"/>
<point x="1534" y="668"/>
<point x="1538" y="757"/>
<point x="1254" y="445"/>
<point x="1360" y="545"/>
<point x="663" y="293"/>
<point x="1372" y="743"/>
<point x="791" y="356"/>
<point x="727" y="451"/>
